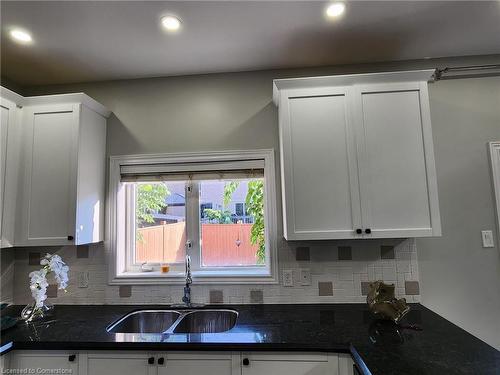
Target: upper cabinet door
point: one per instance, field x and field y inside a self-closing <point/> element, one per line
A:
<point x="318" y="164"/>
<point x="396" y="162"/>
<point x="7" y="109"/>
<point x="9" y="162"/>
<point x="51" y="171"/>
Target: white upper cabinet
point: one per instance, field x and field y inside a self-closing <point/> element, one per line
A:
<point x="318" y="163"/>
<point x="50" y="174"/>
<point x="357" y="157"/>
<point x="61" y="186"/>
<point x="9" y="163"/>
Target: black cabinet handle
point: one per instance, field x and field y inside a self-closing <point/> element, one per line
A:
<point x="151" y="360"/>
<point x="161" y="361"/>
<point x="72" y="358"/>
<point x="359" y="231"/>
<point x="368" y="230"/>
<point x="246" y="361"/>
<point x="70" y="238"/>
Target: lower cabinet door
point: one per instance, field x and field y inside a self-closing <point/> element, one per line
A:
<point x="122" y="363"/>
<point x="198" y="363"/>
<point x="37" y="362"/>
<point x="289" y="364"/>
<point x="346" y="365"/>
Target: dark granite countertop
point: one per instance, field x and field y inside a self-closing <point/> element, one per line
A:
<point x="377" y="347"/>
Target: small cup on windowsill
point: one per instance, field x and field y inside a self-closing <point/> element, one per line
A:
<point x="165" y="268"/>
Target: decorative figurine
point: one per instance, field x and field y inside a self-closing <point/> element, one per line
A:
<point x="384" y="304"/>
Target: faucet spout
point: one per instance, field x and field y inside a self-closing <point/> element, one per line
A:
<point x="189" y="279"/>
<point x="187" y="289"/>
<point x="186" y="299"/>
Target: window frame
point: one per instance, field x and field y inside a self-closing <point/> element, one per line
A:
<point x="131" y="236"/>
<point x="116" y="223"/>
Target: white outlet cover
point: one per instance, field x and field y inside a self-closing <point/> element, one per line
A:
<point x="287" y="277"/>
<point x="305" y="277"/>
<point x="487" y="236"/>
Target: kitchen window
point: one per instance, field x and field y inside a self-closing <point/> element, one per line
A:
<point x="219" y="208"/>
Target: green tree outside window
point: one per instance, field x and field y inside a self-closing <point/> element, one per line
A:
<point x="254" y="202"/>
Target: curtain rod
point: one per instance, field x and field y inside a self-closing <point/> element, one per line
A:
<point x="485" y="70"/>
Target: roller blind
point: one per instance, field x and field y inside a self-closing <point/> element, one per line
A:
<point x="192" y="171"/>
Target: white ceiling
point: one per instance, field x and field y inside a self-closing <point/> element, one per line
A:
<point x="78" y="41"/>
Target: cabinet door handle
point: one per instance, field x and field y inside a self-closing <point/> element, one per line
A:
<point x="151" y="360"/>
<point x="246" y="361"/>
<point x="161" y="361"/>
<point x="359" y="231"/>
<point x="368" y="230"/>
<point x="70" y="238"/>
<point x="72" y="358"/>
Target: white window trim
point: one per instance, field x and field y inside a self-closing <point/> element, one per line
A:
<point x="115" y="238"/>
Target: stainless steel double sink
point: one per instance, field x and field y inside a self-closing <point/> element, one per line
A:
<point x="175" y="321"/>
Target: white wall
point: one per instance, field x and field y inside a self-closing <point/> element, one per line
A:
<point x="459" y="279"/>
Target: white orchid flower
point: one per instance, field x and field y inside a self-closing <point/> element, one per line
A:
<point x="38" y="279"/>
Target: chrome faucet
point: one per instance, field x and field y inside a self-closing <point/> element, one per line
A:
<point x="186" y="299"/>
<point x="187" y="289"/>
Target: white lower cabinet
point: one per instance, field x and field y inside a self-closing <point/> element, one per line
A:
<point x="289" y="364"/>
<point x="186" y="363"/>
<point x="346" y="365"/>
<point x="195" y="363"/>
<point x="118" y="363"/>
<point x="42" y="362"/>
<point x="4" y="362"/>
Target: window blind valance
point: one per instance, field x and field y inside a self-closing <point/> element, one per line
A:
<point x="192" y="171"/>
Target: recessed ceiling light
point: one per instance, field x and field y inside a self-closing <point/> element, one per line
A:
<point x="21" y="36"/>
<point x="171" y="23"/>
<point x="335" y="10"/>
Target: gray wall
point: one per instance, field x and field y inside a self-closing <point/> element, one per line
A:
<point x="459" y="279"/>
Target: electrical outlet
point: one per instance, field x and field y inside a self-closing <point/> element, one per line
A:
<point x="83" y="279"/>
<point x="487" y="236"/>
<point x="287" y="277"/>
<point x="305" y="277"/>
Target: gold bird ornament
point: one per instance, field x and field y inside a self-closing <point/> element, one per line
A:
<point x="384" y="304"/>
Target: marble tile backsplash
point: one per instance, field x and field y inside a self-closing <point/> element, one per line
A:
<point x="340" y="272"/>
<point x="7" y="270"/>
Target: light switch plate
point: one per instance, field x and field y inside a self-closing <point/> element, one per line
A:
<point x="83" y="279"/>
<point x="287" y="277"/>
<point x="305" y="277"/>
<point x="487" y="236"/>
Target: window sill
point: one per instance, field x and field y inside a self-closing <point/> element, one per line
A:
<point x="199" y="277"/>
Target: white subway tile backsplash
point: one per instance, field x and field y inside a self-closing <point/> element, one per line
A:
<point x="346" y="276"/>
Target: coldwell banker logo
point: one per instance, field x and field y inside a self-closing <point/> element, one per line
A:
<point x="23" y="371"/>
